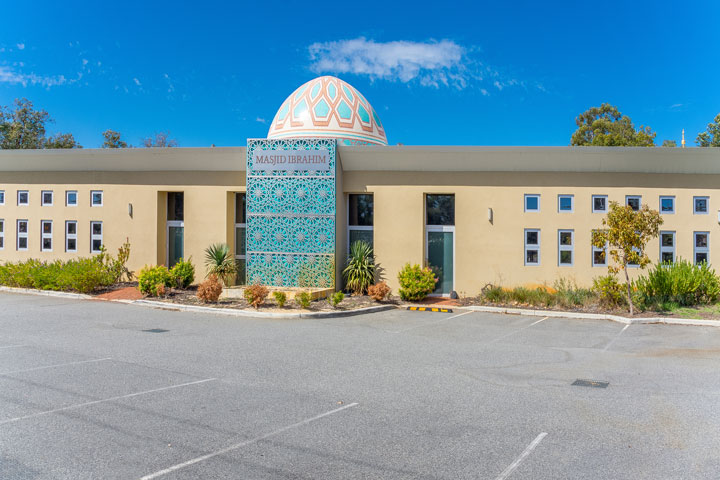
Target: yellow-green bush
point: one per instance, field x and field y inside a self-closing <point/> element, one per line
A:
<point x="151" y="276"/>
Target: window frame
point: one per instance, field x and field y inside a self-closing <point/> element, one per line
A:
<point x="531" y="246"/>
<point x="2" y="197"/>
<point x="664" y="249"/>
<point x="92" y="198"/>
<point x="592" y="203"/>
<point x="365" y="228"/>
<point x="94" y="236"/>
<point x="707" y="205"/>
<point x="20" y="235"/>
<point x="525" y="199"/>
<point x="20" y="192"/>
<point x="705" y="249"/>
<point x="43" y="203"/>
<point x="594" y="249"/>
<point x="237" y="225"/>
<point x="667" y="197"/>
<point x="46" y="236"/>
<point x="566" y="248"/>
<point x="67" y="198"/>
<point x="71" y="236"/>
<point x="2" y="234"/>
<point x="572" y="202"/>
<point x="629" y="197"/>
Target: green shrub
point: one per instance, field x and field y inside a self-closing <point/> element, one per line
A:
<point x="183" y="273"/>
<point x="679" y="283"/>
<point x="82" y="275"/>
<point x="569" y="295"/>
<point x="359" y="273"/>
<point x="150" y="277"/>
<point x="416" y="282"/>
<point x="335" y="299"/>
<point x="494" y="294"/>
<point x="303" y="299"/>
<point x="280" y="298"/>
<point x="609" y="292"/>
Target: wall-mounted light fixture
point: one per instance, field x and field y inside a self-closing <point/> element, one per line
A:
<point x="490" y="215"/>
<point x="130" y="209"/>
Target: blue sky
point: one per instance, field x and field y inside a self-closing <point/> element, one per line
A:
<point x="441" y="73"/>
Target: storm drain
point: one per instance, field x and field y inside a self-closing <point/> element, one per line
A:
<point x="156" y="330"/>
<point x="590" y="383"/>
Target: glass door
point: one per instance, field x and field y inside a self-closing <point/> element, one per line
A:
<point x="440" y="243"/>
<point x="175" y="242"/>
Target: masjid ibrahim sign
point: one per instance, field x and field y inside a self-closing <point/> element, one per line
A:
<point x="291" y="160"/>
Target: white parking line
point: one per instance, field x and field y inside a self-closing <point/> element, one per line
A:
<point x="615" y="338"/>
<point x="13" y="346"/>
<point x="511" y="468"/>
<point x="429" y="323"/>
<point x="56" y="365"/>
<point x="47" y="412"/>
<point x="243" y="444"/>
<point x="518" y="330"/>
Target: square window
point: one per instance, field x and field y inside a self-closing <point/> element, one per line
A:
<point x="96" y="245"/>
<point x="96" y="198"/>
<point x="565" y="238"/>
<point x="71" y="244"/>
<point x="72" y="228"/>
<point x="531" y="237"/>
<point x="667" y="240"/>
<point x="599" y="258"/>
<point x="47" y="198"/>
<point x="667" y="205"/>
<point x="701" y="205"/>
<point x="599" y="203"/>
<point x="2" y="197"/>
<point x="23" y="197"/>
<point x="22" y="243"/>
<point x="22" y="226"/>
<point x="532" y="203"/>
<point x="440" y="209"/>
<point x="565" y="203"/>
<point x="701" y="240"/>
<point x="46" y="227"/>
<point x="97" y="228"/>
<point x="633" y="201"/>
<point x="71" y="198"/>
<point x="532" y="257"/>
<point x="566" y="257"/>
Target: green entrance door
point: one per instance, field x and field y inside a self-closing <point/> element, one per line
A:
<point x="175" y="247"/>
<point x="440" y="255"/>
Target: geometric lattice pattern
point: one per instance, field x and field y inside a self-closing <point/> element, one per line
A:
<point x="331" y="108"/>
<point x="290" y="231"/>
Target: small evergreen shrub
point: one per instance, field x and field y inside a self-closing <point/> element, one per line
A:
<point x="360" y="270"/>
<point x="280" y="298"/>
<point x="416" y="282"/>
<point x="680" y="283"/>
<point x="209" y="291"/>
<point x="152" y="276"/>
<point x="335" y="299"/>
<point x="182" y="273"/>
<point x="303" y="299"/>
<point x="256" y="294"/>
<point x="379" y="291"/>
<point x="609" y="292"/>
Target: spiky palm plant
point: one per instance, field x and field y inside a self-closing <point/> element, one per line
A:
<point x="359" y="273"/>
<point x="220" y="261"/>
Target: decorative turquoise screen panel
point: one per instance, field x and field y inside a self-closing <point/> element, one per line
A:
<point x="291" y="212"/>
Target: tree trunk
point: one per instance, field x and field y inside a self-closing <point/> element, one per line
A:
<point x="629" y="294"/>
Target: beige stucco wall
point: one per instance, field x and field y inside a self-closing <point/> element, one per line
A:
<point x="208" y="212"/>
<point x="494" y="252"/>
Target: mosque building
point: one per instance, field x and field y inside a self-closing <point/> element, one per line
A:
<point x="290" y="205"/>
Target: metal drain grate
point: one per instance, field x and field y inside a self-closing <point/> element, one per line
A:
<point x="156" y="330"/>
<point x="590" y="383"/>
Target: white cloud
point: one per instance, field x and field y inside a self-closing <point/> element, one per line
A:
<point x="432" y="63"/>
<point x="84" y="61"/>
<point x="260" y="120"/>
<point x="8" y="75"/>
<point x="137" y="82"/>
<point x="21" y="46"/>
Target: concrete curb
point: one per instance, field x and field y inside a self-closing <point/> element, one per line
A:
<point x="46" y="293"/>
<point x="249" y="313"/>
<point x="594" y="316"/>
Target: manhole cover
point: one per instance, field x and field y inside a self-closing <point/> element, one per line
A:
<point x="590" y="383"/>
<point x="156" y="330"/>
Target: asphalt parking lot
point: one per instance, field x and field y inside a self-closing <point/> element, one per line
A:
<point x="98" y="390"/>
